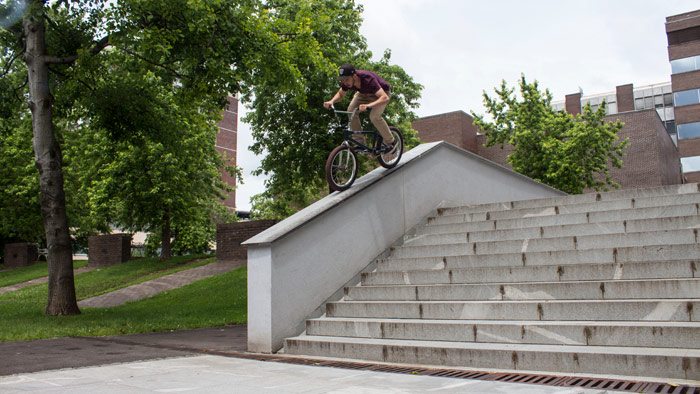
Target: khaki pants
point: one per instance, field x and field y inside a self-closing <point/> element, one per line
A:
<point x="375" y="115"/>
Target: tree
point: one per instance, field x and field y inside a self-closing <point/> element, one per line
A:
<point x="570" y="153"/>
<point x="295" y="131"/>
<point x="113" y="71"/>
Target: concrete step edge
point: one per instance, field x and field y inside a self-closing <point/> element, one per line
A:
<point x="656" y="233"/>
<point x="574" y="266"/>
<point x="610" y="224"/>
<point x="494" y="346"/>
<point x="447" y="261"/>
<point x="439" y="220"/>
<point x="672" y="190"/>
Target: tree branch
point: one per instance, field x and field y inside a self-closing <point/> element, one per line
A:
<point x="163" y="66"/>
<point x="9" y="64"/>
<point x="53" y="70"/>
<point x="99" y="46"/>
<point x="26" y="80"/>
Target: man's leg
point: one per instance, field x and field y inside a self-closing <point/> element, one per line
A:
<point x="378" y="121"/>
<point x="358" y="99"/>
<point x="355" y="124"/>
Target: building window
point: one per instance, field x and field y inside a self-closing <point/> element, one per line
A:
<point x="686" y="97"/>
<point x="685" y="65"/>
<point x="690" y="164"/>
<point x="688" y="131"/>
<point x="671" y="128"/>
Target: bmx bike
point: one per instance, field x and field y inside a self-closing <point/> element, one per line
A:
<point x="341" y="165"/>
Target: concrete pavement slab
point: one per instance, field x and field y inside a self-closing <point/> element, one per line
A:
<point x="216" y="374"/>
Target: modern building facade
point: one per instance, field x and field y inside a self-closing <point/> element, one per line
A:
<point x="627" y="98"/>
<point x="226" y="144"/>
<point x="683" y="34"/>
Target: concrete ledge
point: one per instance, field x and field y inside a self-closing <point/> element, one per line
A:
<point x="296" y="265"/>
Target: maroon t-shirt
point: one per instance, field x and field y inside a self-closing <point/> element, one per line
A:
<point x="370" y="83"/>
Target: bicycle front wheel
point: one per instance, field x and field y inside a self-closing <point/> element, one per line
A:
<point x="341" y="168"/>
<point x="391" y="159"/>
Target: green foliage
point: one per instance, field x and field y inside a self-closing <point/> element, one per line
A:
<point x="291" y="126"/>
<point x="137" y="97"/>
<point x="570" y="153"/>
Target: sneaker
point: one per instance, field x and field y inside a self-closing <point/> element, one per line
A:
<point x="391" y="148"/>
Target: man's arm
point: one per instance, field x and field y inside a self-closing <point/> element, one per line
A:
<point x="338" y="96"/>
<point x="382" y="98"/>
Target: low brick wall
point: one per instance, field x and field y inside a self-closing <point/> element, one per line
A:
<point x="109" y="249"/>
<point x="20" y="254"/>
<point x="230" y="235"/>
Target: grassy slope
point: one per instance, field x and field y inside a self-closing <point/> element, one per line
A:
<point x="209" y="302"/>
<point x="34" y="271"/>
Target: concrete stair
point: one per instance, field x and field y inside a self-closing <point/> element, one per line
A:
<point x="601" y="283"/>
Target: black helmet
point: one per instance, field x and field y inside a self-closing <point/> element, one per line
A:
<point x="346" y="70"/>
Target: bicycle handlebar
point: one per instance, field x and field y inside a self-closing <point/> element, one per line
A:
<point x="343" y="112"/>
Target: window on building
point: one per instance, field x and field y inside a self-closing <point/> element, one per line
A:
<point x="668" y="100"/>
<point x="688" y="131"/>
<point x="690" y="164"/>
<point x="685" y="65"/>
<point x="671" y="128"/>
<point x="687" y="97"/>
<point x="669" y="114"/>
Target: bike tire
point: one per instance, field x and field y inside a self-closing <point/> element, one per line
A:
<point x="390" y="161"/>
<point x="341" y="168"/>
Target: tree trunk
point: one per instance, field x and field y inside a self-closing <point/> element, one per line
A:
<point x="62" y="299"/>
<point x="165" y="251"/>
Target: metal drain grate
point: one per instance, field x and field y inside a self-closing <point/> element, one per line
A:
<point x="524" y="378"/>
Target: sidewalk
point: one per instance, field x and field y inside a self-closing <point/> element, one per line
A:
<point x="159" y="285"/>
<point x="217" y="374"/>
<point x="178" y="361"/>
<point x="48" y="354"/>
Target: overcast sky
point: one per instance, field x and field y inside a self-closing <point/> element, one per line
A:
<point x="458" y="48"/>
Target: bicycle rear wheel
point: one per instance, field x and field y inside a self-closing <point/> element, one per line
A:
<point x="389" y="160"/>
<point x="341" y="168"/>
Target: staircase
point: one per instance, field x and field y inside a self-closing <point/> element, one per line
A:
<point x="603" y="283"/>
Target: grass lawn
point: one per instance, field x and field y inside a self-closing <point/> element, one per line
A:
<point x="34" y="271"/>
<point x="105" y="279"/>
<point x="211" y="302"/>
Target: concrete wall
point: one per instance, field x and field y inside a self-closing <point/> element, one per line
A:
<point x="295" y="266"/>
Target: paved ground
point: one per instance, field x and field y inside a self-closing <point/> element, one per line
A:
<point x="47" y="354"/>
<point x="155" y="286"/>
<point x="217" y="374"/>
<point x="179" y="361"/>
<point x="37" y="281"/>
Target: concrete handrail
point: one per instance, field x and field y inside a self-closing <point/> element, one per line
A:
<point x="298" y="264"/>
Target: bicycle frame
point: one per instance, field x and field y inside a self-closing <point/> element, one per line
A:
<point x="348" y="132"/>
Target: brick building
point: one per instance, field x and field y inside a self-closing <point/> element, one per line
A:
<point x="683" y="34"/>
<point x="226" y="143"/>
<point x="651" y="157"/>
